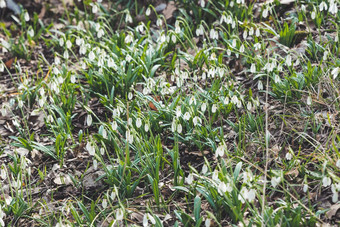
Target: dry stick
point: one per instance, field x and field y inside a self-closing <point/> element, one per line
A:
<point x="267" y="151"/>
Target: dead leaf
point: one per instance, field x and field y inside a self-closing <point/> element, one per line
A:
<point x="332" y="210"/>
<point x="171" y="7"/>
<point x="9" y="63"/>
<point x="292" y="173"/>
<point x="151" y="105"/>
<point x="42" y="12"/>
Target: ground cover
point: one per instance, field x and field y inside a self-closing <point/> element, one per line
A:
<point x="162" y="113"/>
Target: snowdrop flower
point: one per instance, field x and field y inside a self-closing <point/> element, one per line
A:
<point x="196" y="120"/>
<point x="140" y="28"/>
<point x="104" y="203"/>
<point x="100" y="33"/>
<point x="214" y="108"/>
<point x="173" y="38"/>
<point x="129" y="136"/>
<point x="215" y="176"/>
<point x="207" y="222"/>
<point x="223" y="19"/>
<point x="30" y="32"/>
<point x="260" y="85"/>
<point x="138" y="122"/>
<point x="146" y="127"/>
<point x="192" y="100"/>
<point x="94" y="8"/>
<point x="114" y="125"/>
<point x="220" y="150"/>
<point x="147" y="217"/>
<point x="189" y="179"/>
<point x="246" y="194"/>
<point x="277" y="78"/>
<point x="203" y="107"/>
<point x="82" y="49"/>
<point x="204" y="169"/>
<point x="2" y="67"/>
<point x="265" y="13"/>
<point x="173" y="125"/>
<point x="187" y="116"/>
<point x="79" y="41"/>
<point x="313" y="15"/>
<point x="202" y="2"/>
<point x="128" y="39"/>
<point x="200" y="30"/>
<point x="305" y="188"/>
<point x="104" y="133"/>
<point x="245" y="34"/>
<point x="233" y="44"/>
<point x="119" y="214"/>
<point x="16" y="123"/>
<point x="234" y="99"/>
<point x="257" y="32"/>
<point x="323" y="6"/>
<point x="229" y="20"/>
<point x="128" y="18"/>
<point x="91" y="56"/>
<point x="177" y="27"/>
<point x="159" y="22"/>
<point x="289" y="156"/>
<point x="253" y="68"/>
<point x="148" y="12"/>
<point x="102" y="151"/>
<point x="179" y="128"/>
<point x="2" y="5"/>
<point x="178" y="111"/>
<point x="247" y="176"/>
<point x="89" y="120"/>
<point x="335" y="72"/>
<point x="61" y="41"/>
<point x="222" y="188"/>
<point x="326" y="181"/>
<point x="325" y="55"/>
<point x="309" y="100"/>
<point x="213" y="34"/>
<point x="242" y="48"/>
<point x="226" y="100"/>
<point x="251" y="31"/>
<point x="257" y="46"/>
<point x="90" y="148"/>
<point x="275" y="181"/>
<point x="66" y="54"/>
<point x="249" y="106"/>
<point x="335" y="190"/>
<point x="111" y="63"/>
<point x="68" y="44"/>
<point x="333" y="8"/>
<point x="289" y="60"/>
<point x="129" y="121"/>
<point x="338" y="163"/>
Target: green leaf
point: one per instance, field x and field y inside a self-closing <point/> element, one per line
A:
<point x="237" y="171"/>
<point x="197" y="207"/>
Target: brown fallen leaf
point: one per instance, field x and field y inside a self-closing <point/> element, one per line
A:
<point x="42" y="12"/>
<point x="170" y="8"/>
<point x="151" y="105"/>
<point x="332" y="210"/>
<point x="9" y="63"/>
